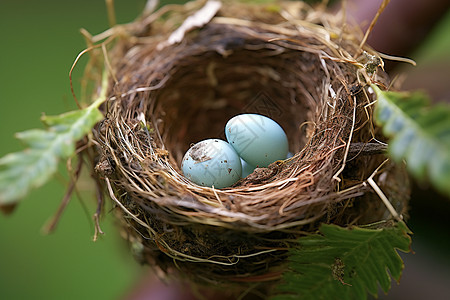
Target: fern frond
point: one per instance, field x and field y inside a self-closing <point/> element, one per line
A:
<point x="344" y="263"/>
<point x="22" y="171"/>
<point x="419" y="134"/>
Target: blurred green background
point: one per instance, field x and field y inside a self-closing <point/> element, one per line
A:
<point x="39" y="41"/>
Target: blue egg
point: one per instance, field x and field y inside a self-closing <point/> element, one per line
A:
<point x="257" y="139"/>
<point x="212" y="162"/>
<point x="247" y="168"/>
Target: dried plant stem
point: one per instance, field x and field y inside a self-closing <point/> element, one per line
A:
<point x="96" y="216"/>
<point x="111" y="13"/>
<point x="347" y="148"/>
<point x="380" y="193"/>
<point x="374" y="21"/>
<point x="111" y="194"/>
<point x="51" y="226"/>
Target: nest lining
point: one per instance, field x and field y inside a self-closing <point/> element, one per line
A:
<point x="248" y="59"/>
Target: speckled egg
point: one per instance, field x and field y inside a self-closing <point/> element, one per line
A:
<point x="212" y="162"/>
<point x="257" y="139"/>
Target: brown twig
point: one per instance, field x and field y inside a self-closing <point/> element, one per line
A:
<point x="51" y="226"/>
<point x="367" y="148"/>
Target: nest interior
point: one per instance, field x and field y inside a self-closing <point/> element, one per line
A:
<point x="298" y="70"/>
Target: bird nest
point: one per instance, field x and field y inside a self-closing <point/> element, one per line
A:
<point x="288" y="61"/>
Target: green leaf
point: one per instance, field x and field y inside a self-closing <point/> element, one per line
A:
<point x="22" y="171"/>
<point x="419" y="134"/>
<point x="344" y="263"/>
